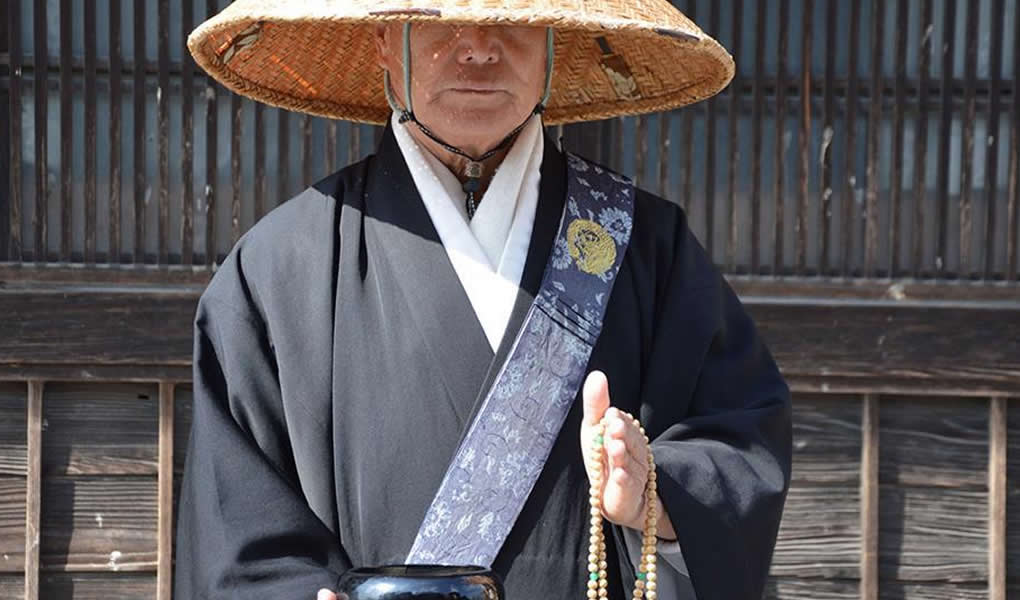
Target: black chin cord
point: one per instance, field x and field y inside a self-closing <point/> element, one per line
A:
<point x="473" y="170"/>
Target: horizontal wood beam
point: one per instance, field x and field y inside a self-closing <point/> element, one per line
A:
<point x="100" y="328"/>
<point x="35" y="276"/>
<point x="901" y="292"/>
<point x="133" y="372"/>
<point x="868" y="383"/>
<point x="146" y="335"/>
<point x="976" y="346"/>
<point x="758" y="289"/>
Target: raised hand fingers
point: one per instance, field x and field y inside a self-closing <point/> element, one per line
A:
<point x="595" y="396"/>
<point x="626" y="447"/>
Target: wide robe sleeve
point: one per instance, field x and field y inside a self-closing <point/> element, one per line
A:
<point x="244" y="531"/>
<point x="721" y="428"/>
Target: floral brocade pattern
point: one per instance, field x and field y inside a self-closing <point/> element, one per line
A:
<point x="499" y="460"/>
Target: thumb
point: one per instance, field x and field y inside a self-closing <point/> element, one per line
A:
<point x="596" y="397"/>
<point x="325" y="594"/>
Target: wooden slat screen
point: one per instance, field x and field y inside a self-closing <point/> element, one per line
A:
<point x="876" y="508"/>
<point x="862" y="139"/>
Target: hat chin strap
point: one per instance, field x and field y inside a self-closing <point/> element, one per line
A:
<point x="473" y="170"/>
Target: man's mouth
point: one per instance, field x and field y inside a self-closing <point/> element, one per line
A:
<point x="477" y="89"/>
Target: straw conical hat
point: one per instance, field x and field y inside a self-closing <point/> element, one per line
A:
<point x="612" y="57"/>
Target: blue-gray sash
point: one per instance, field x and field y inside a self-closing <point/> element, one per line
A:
<point x="506" y="446"/>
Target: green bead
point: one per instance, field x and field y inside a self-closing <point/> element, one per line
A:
<point x="594" y="577"/>
<point x="641" y="575"/>
<point x="598" y="440"/>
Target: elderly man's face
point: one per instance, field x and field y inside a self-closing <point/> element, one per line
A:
<point x="471" y="84"/>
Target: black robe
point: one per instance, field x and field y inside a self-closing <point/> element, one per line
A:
<point x="338" y="361"/>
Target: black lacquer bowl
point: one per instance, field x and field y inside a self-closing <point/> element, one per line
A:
<point x="420" y="582"/>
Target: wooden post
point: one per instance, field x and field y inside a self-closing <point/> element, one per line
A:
<point x="33" y="489"/>
<point x="997" y="499"/>
<point x="165" y="498"/>
<point x="869" y="497"/>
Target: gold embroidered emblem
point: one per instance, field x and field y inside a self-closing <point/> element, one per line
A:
<point x="591" y="246"/>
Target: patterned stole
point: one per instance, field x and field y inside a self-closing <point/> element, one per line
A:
<point x="506" y="446"/>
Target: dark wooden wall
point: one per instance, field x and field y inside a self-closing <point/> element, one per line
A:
<point x="857" y="184"/>
<point x="903" y="438"/>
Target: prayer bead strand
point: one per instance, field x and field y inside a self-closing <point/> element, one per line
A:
<point x="598" y="583"/>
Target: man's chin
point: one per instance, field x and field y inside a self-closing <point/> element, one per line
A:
<point x="477" y="124"/>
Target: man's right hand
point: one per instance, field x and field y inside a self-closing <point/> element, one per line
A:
<point x="325" y="594"/>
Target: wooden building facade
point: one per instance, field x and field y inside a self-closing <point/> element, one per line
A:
<point x="858" y="184"/>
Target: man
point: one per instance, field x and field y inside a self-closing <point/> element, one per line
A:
<point x="352" y="351"/>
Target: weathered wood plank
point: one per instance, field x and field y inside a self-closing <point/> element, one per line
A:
<point x="33" y="490"/>
<point x="1013" y="494"/>
<point x="899" y="105"/>
<point x="165" y="512"/>
<point x="12" y="526"/>
<point x="92" y="523"/>
<point x="945" y="139"/>
<point x="188" y="196"/>
<point x="167" y="277"/>
<point x="99" y="586"/>
<point x="40" y="89"/>
<point x="236" y="103"/>
<point x="793" y="588"/>
<point x="826" y="438"/>
<point x="947" y="294"/>
<point x="141" y="180"/>
<point x="163" y="130"/>
<point x="182" y="425"/>
<point x="933" y="534"/>
<point x="976" y="347"/>
<point x="803" y="138"/>
<point x="13" y="411"/>
<point x="935" y="442"/>
<point x="108" y="429"/>
<point x="898" y="590"/>
<point x="110" y="373"/>
<point x="67" y="134"/>
<point x="90" y="132"/>
<point x="116" y="93"/>
<point x="893" y="385"/>
<point x="847" y="221"/>
<point x="859" y="341"/>
<point x="992" y="167"/>
<point x="873" y="134"/>
<point x="15" y="126"/>
<point x="109" y="328"/>
<point x="902" y="291"/>
<point x="756" y="132"/>
<point x="11" y="586"/>
<point x="997" y="440"/>
<point x="869" y="496"/>
<point x="182" y="430"/>
<point x="733" y="160"/>
<point x="820" y="536"/>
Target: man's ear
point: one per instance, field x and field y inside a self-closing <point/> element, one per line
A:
<point x="382" y="46"/>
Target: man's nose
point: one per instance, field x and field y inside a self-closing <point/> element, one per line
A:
<point x="477" y="46"/>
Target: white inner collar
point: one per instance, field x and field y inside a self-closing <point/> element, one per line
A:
<point x="489" y="251"/>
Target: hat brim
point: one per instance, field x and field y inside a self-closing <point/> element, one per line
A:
<point x="320" y="58"/>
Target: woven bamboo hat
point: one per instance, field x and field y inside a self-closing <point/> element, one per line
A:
<point x="611" y="58"/>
